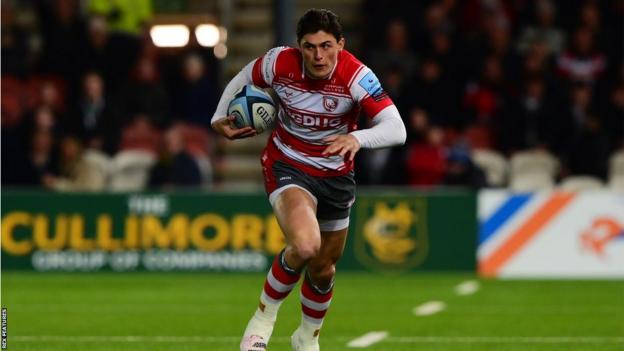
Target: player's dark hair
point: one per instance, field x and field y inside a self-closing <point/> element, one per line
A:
<point x="315" y="20"/>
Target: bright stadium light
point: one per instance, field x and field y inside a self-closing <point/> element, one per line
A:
<point x="170" y="35"/>
<point x="222" y="34"/>
<point x="207" y="35"/>
<point x="220" y="51"/>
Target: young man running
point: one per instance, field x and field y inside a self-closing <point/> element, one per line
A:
<point x="308" y="164"/>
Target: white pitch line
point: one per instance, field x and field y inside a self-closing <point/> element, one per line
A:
<point x="368" y="339"/>
<point x="429" y="308"/>
<point x="468" y="287"/>
<point x="125" y="339"/>
<point x="506" y="339"/>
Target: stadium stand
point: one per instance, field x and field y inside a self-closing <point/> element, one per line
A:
<point x="494" y="165"/>
<point x="581" y="183"/>
<point x="130" y="170"/>
<point x="533" y="171"/>
<point x="497" y="77"/>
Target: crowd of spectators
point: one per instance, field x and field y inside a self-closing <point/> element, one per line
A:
<point x="502" y="75"/>
<point x="82" y="82"/>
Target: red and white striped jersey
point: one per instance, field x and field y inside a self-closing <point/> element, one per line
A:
<point x="313" y="109"/>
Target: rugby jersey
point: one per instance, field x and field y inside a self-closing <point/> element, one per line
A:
<point x="313" y="109"/>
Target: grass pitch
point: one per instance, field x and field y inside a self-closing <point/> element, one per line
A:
<point x="208" y="312"/>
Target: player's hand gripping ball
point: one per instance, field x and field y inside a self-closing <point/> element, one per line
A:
<point x="253" y="107"/>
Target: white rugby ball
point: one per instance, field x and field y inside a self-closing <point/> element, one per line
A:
<point x="253" y="107"/>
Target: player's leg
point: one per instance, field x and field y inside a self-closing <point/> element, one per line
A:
<point x="317" y="289"/>
<point x="295" y="209"/>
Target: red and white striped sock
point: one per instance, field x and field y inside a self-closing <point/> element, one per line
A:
<point x="280" y="281"/>
<point x="314" y="305"/>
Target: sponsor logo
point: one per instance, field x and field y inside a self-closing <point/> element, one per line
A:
<point x="600" y="234"/>
<point x="370" y="83"/>
<point x="394" y="233"/>
<point x="333" y="88"/>
<point x="330" y="103"/>
<point x="315" y="121"/>
<point x="264" y="114"/>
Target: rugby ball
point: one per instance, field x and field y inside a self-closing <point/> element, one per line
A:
<point x="253" y="107"/>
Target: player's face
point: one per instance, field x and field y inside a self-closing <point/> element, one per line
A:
<point x="320" y="53"/>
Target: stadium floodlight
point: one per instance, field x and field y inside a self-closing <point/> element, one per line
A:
<point x="207" y="35"/>
<point x="220" y="51"/>
<point x="170" y="35"/>
<point x="222" y="34"/>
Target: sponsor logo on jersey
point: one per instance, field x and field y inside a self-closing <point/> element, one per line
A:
<point x="394" y="233"/>
<point x="370" y="83"/>
<point x="333" y="88"/>
<point x="330" y="103"/>
<point x="316" y="121"/>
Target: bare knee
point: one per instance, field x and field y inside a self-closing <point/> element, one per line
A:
<point x="304" y="250"/>
<point x="323" y="275"/>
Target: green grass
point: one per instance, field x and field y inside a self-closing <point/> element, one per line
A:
<point x="209" y="311"/>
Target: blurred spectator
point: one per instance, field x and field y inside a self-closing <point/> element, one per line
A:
<point x="141" y="134"/>
<point x="93" y="117"/>
<point x="15" y="44"/>
<point x="615" y="117"/>
<point x="103" y="53"/>
<point x="590" y="18"/>
<point x="425" y="161"/>
<point x="396" y="56"/>
<point x="575" y="118"/>
<point x="12" y="101"/>
<point x="589" y="148"/>
<point x="582" y="61"/>
<point x="47" y="112"/>
<point x="49" y="93"/>
<point x="613" y="30"/>
<point x="176" y="166"/>
<point x="538" y="62"/>
<point x="377" y="14"/>
<point x="195" y="99"/>
<point x="530" y="120"/>
<point x="75" y="174"/>
<point x="34" y="160"/>
<point x="484" y="99"/>
<point x="544" y="30"/>
<point x="145" y="95"/>
<point x="432" y="90"/>
<point x="62" y="31"/>
<point x="445" y="49"/>
<point x="41" y="119"/>
<point x="461" y="171"/>
<point x="435" y="19"/>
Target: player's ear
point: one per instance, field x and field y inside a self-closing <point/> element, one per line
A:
<point x="341" y="43"/>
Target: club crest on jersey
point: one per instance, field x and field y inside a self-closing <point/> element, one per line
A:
<point x="330" y="103"/>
